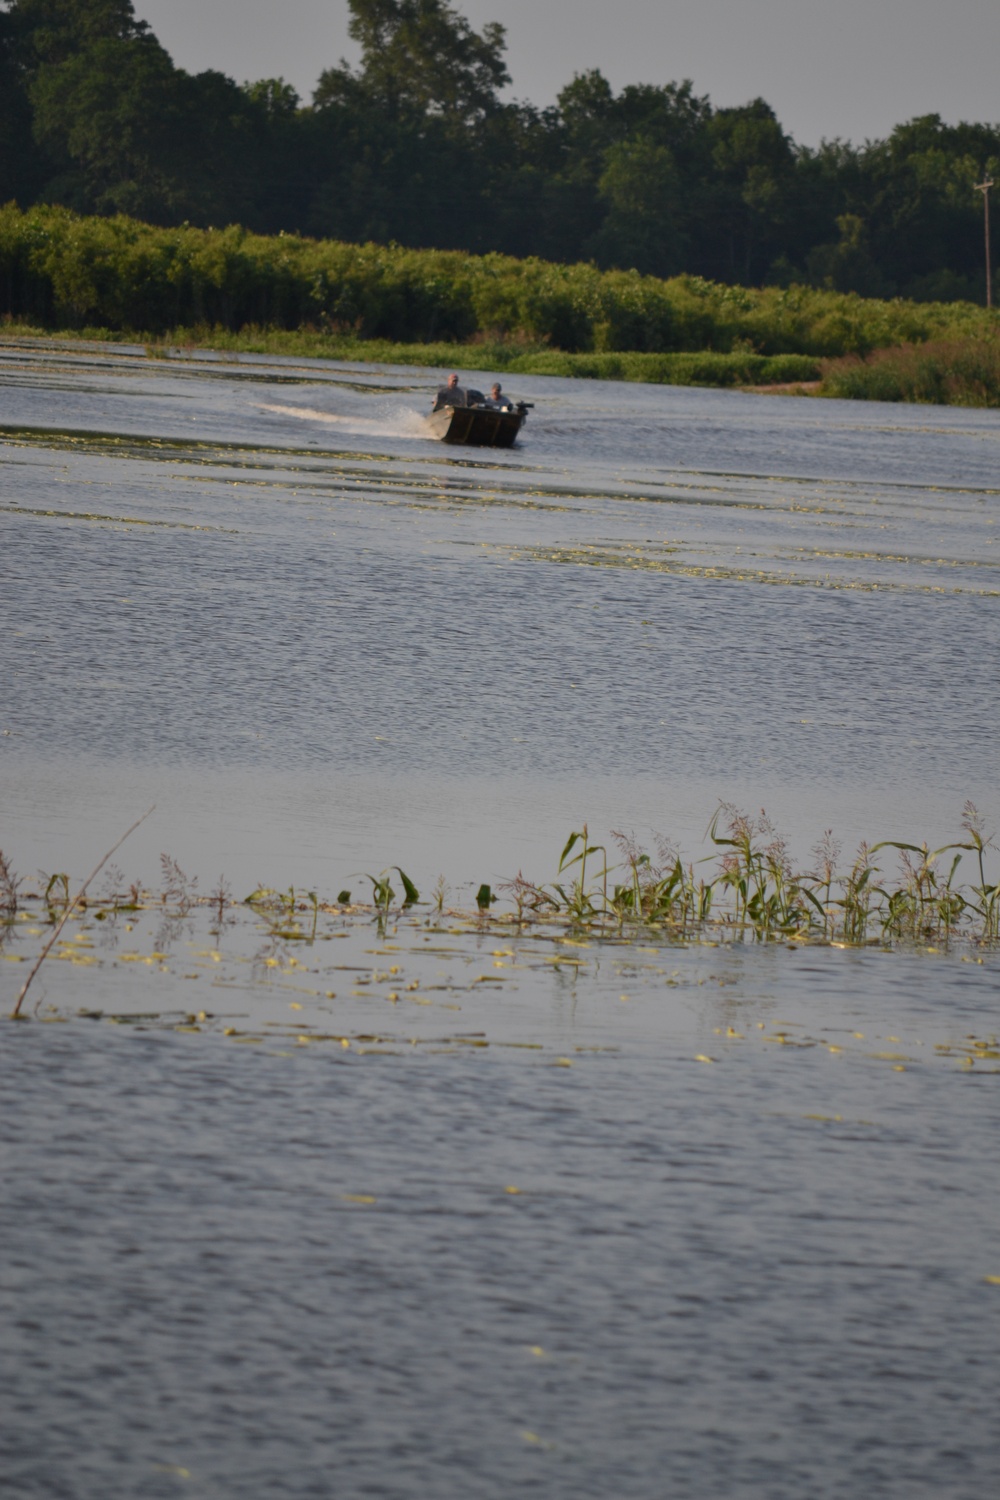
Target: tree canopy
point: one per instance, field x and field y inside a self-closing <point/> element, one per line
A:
<point x="421" y="144"/>
<point x="419" y="57"/>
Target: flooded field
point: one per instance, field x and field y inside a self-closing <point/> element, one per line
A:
<point x="444" y="1205"/>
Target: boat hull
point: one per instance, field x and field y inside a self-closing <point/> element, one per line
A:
<point x="476" y="426"/>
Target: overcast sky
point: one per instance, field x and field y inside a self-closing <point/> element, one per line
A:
<point x="849" y="68"/>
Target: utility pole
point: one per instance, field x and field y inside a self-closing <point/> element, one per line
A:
<point x="984" y="188"/>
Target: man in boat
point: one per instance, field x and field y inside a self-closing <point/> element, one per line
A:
<point x="451" y="394"/>
<point x="497" y="400"/>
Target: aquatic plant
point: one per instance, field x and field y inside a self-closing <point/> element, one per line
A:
<point x="9" y="885"/>
<point x="71" y="907"/>
<point x="221" y="898"/>
<point x="767" y="896"/>
<point x="752" y="889"/>
<point x="746" y="890"/>
<point x="278" y="908"/>
<point x="856" y="900"/>
<point x="383" y="894"/>
<point x="987" y="897"/>
<point x="660" y="889"/>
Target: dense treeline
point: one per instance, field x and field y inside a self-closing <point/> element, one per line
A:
<point x="417" y="146"/>
<point x="60" y="270"/>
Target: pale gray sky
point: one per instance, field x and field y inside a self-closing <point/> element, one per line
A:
<point x="850" y="68"/>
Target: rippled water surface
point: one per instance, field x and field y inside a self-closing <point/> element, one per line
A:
<point x="254" y="592"/>
<point x="445" y="1209"/>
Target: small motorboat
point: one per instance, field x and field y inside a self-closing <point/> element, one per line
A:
<point x="479" y="424"/>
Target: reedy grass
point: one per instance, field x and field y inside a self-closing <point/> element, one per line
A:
<point x="710" y="368"/>
<point x="69" y="908"/>
<point x="944" y="372"/>
<point x="10" y="884"/>
<point x="752" y="890"/>
<point x="747" y="890"/>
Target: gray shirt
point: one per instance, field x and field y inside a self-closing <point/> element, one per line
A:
<point x="453" y="395"/>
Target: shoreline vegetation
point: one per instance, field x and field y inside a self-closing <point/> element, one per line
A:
<point x="747" y="890"/>
<point x="117" y="279"/>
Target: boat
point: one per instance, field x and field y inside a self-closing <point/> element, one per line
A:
<point x="479" y="426"/>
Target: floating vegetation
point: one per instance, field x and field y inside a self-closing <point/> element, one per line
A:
<point x="751" y="890"/>
<point x="69" y="906"/>
<point x="282" y="973"/>
<point x="890" y="893"/>
<point x="459" y="985"/>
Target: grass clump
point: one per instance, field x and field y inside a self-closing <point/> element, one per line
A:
<point x="506" y="356"/>
<point x="943" y="372"/>
<point x="518" y="356"/>
<point x="752" y="889"/>
<point x="746" y="889"/>
<point x="10" y="884"/>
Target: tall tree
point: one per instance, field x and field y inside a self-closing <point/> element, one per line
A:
<point x="643" y="228"/>
<point x="420" y="56"/>
<point x="407" y="136"/>
<point x="753" y="166"/>
<point x="51" y="31"/>
<point x="21" y="165"/>
<point x="122" y="129"/>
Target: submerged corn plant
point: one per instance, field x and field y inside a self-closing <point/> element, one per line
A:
<point x="659" y="890"/>
<point x="856" y="899"/>
<point x="756" y="868"/>
<point x="987" y="897"/>
<point x="9" y="887"/>
<point x="746" y="889"/>
<point x="383" y="894"/>
<point x="752" y="888"/>
<point x="278" y="908"/>
<point x="580" y="901"/>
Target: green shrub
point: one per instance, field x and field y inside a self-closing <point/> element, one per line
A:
<point x="64" y="271"/>
<point x="955" y="372"/>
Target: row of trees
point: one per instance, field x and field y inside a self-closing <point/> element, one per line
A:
<point x="417" y="145"/>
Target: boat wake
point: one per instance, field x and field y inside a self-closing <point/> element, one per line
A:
<point x="403" y="424"/>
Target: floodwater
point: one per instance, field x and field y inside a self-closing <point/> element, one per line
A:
<point x="441" y="1208"/>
